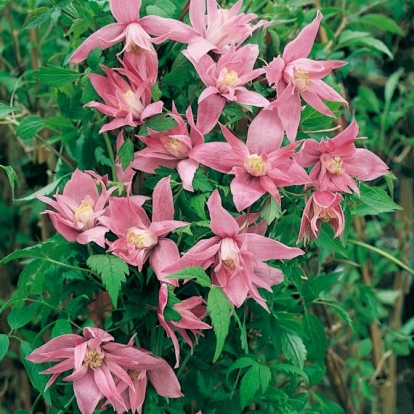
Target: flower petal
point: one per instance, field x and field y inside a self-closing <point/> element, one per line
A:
<point x="223" y="223"/>
<point x="125" y="11"/>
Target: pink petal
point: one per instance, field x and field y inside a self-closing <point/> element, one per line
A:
<point x="246" y="189"/>
<point x="198" y="47"/>
<point x="309" y="153"/>
<point x="186" y="170"/>
<point x="125" y="11"/>
<point x="163" y="255"/>
<point x="162" y="201"/>
<point x="117" y="123"/>
<point x="365" y="165"/>
<point x="152" y="109"/>
<point x="238" y="147"/>
<point x="96" y="235"/>
<point x="326" y="92"/>
<point x="164" y="381"/>
<point x="274" y="71"/>
<point x="209" y="111"/>
<point x="245" y="97"/>
<point x="197" y="15"/>
<point x="216" y="155"/>
<point x="87" y="393"/>
<point x="223" y="223"/>
<point x="290" y="111"/>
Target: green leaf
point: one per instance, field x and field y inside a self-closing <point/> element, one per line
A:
<point x="294" y="349"/>
<point x="219" y="309"/>
<point x="270" y="210"/>
<point x="242" y="362"/>
<point x="159" y="123"/>
<point x="12" y="176"/>
<point x="381" y="22"/>
<point x="21" y="317"/>
<point x="193" y="272"/>
<point x="249" y="385"/>
<point x="4" y="3"/>
<point x="37" y="17"/>
<point x="290" y="369"/>
<point x="112" y="271"/>
<point x="5" y="109"/>
<point x="355" y="38"/>
<point x="34" y="370"/>
<point x="327" y="241"/>
<point x="31" y="275"/>
<point x="4" y="345"/>
<point x="164" y="8"/>
<point x="62" y="327"/>
<point x="265" y="376"/>
<point x="94" y="59"/>
<point x="30" y="126"/>
<point x="126" y="153"/>
<point x="391" y="85"/>
<point x="56" y="76"/>
<point x="375" y="201"/>
<point x="369" y="99"/>
<point x="45" y="191"/>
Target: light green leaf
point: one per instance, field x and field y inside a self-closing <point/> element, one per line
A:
<point x="265" y="376"/>
<point x="193" y="272"/>
<point x="249" y="385"/>
<point x="12" y="176"/>
<point x="159" y="123"/>
<point x="56" y="76"/>
<point x="126" y="153"/>
<point x="242" y="362"/>
<point x="354" y="38"/>
<point x="30" y="126"/>
<point x="21" y="317"/>
<point x="5" y="109"/>
<point x="391" y="84"/>
<point x="45" y="191"/>
<point x="164" y="8"/>
<point x="4" y="3"/>
<point x="62" y="327"/>
<point x="369" y="99"/>
<point x="219" y="309"/>
<point x="37" y="17"/>
<point x="112" y="271"/>
<point x="4" y="345"/>
<point x="381" y="22"/>
<point x="290" y="369"/>
<point x="293" y="348"/>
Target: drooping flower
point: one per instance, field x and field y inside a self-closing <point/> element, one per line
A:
<point x="129" y="103"/>
<point x="129" y="26"/>
<point x="102" y="368"/>
<point x="323" y="206"/>
<point x="213" y="31"/>
<point x="138" y="237"/>
<point x="189" y="314"/>
<point x="171" y="149"/>
<point x="78" y="209"/>
<point x="295" y="76"/>
<point x="336" y="161"/>
<point x="225" y="82"/>
<point x="260" y="166"/>
<point x="237" y="256"/>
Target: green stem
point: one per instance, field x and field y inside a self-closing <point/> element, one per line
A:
<point x="66" y="405"/>
<point x="183" y="364"/>
<point x="111" y="155"/>
<point x="384" y="254"/>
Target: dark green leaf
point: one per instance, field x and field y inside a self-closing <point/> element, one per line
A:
<point x="30" y="126"/>
<point x="12" y="176"/>
<point x="249" y="385"/>
<point x="159" y="123"/>
<point x="4" y="345"/>
<point x="192" y="272"/>
<point x="290" y="369"/>
<point x="327" y="241"/>
<point x="5" y="109"/>
<point x="37" y="17"/>
<point x="126" y="153"/>
<point x="375" y="201"/>
<point x="112" y="271"/>
<point x="4" y="3"/>
<point x="21" y="317"/>
<point x="163" y="8"/>
<point x="293" y="348"/>
<point x="56" y="76"/>
<point x="381" y="22"/>
<point x="62" y="327"/>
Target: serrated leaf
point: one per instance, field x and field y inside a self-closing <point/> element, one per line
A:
<point x="265" y="376"/>
<point x="34" y="370"/>
<point x="377" y="201"/>
<point x="249" y="385"/>
<point x="293" y="348"/>
<point x="30" y="126"/>
<point x="21" y="317"/>
<point x="290" y="369"/>
<point x="341" y="312"/>
<point x="4" y="345"/>
<point x="219" y="309"/>
<point x="56" y="76"/>
<point x="12" y="177"/>
<point x="193" y="272"/>
<point x="327" y="241"/>
<point x="160" y="123"/>
<point x="126" y="153"/>
<point x="113" y="272"/>
<point x="37" y="17"/>
<point x="6" y="109"/>
<point x="61" y="327"/>
<point x="33" y="271"/>
<point x="242" y="362"/>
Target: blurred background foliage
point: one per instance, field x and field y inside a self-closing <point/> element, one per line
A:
<point x="368" y="366"/>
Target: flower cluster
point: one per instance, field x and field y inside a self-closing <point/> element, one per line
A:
<point x="260" y="165"/>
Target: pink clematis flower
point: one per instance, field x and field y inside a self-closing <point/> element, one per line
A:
<point x="138" y="237"/>
<point x="214" y="31"/>
<point x="237" y="257"/>
<point x="335" y="161"/>
<point x="295" y="75"/>
<point x="78" y="209"/>
<point x="224" y="80"/>
<point x="127" y="102"/>
<point x="322" y="206"/>
<point x="129" y="26"/>
<point x="98" y="363"/>
<point x="171" y="149"/>
<point x="191" y="312"/>
<point x="260" y="166"/>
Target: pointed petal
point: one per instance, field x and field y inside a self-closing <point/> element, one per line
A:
<point x="223" y="223"/>
<point x="312" y="99"/>
<point x="186" y="170"/>
<point x="209" y="111"/>
<point x="162" y="201"/>
<point x="274" y="71"/>
<point x="87" y="393"/>
<point x="125" y="11"/>
<point x="365" y="165"/>
<point x="197" y="15"/>
<point x="238" y="147"/>
<point x="216" y="155"/>
<point x="245" y="97"/>
<point x="163" y="255"/>
<point x="290" y="111"/>
<point x="164" y="381"/>
<point x="246" y="189"/>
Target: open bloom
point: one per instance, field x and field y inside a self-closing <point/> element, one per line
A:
<point x="294" y="75"/>
<point x="171" y="149"/>
<point x="237" y="256"/>
<point x="102" y="368"/>
<point x="190" y="313"/>
<point x="260" y="166"/>
<point x="78" y="209"/>
<point x="128" y="26"/>
<point x="138" y="237"/>
<point x="224" y="80"/>
<point x="323" y="206"/>
<point x="129" y="103"/>
<point x="213" y="31"/>
<point x="335" y="161"/>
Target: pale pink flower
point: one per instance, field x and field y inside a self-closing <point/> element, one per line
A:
<point x="129" y="26"/>
<point x="102" y="368"/>
<point x="78" y="209"/>
<point x="237" y="257"/>
<point x="294" y="75"/>
<point x="225" y="82"/>
<point x="191" y="312"/>
<point x="213" y="31"/>
<point x="138" y="237"/>
<point x="260" y="166"/>
<point x="323" y="206"/>
<point x="171" y="149"/>
<point x="129" y="103"/>
<point x="335" y="161"/>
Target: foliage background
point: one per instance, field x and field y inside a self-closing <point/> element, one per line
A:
<point x="363" y="374"/>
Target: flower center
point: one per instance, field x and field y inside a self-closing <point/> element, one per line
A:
<point x="229" y="253"/>
<point x="302" y="80"/>
<point x="255" y="165"/>
<point x="131" y="103"/>
<point x="93" y="358"/>
<point x="176" y="148"/>
<point x="133" y="47"/>
<point x="140" y="238"/>
<point x="84" y="213"/>
<point x="231" y="78"/>
<point x="332" y="164"/>
<point x="135" y="374"/>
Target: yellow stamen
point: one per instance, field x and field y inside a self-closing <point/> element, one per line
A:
<point x="302" y="80"/>
<point x="255" y="165"/>
<point x="93" y="358"/>
<point x="83" y="212"/>
<point x="231" y="78"/>
<point x="229" y="263"/>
